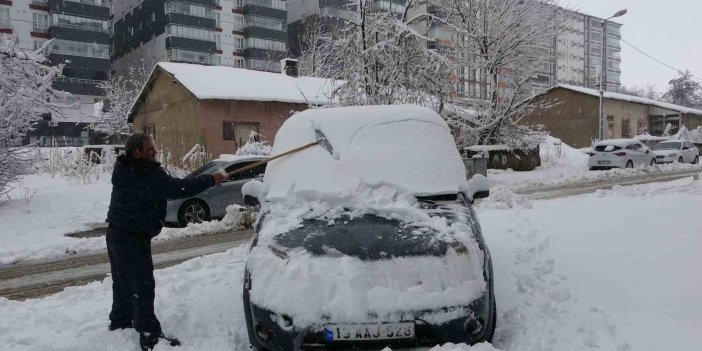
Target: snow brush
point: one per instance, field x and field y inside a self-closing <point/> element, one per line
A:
<point x="321" y="141"/>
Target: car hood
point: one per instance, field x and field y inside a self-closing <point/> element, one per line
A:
<point x="666" y="152"/>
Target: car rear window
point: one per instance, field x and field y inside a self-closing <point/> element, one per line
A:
<point x="607" y="148"/>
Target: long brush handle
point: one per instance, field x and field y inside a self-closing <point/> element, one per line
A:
<point x="254" y="165"/>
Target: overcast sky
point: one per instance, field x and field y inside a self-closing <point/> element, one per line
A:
<point x="669" y="30"/>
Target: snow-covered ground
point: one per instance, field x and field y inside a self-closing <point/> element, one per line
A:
<point x="42" y="209"/>
<point x="563" y="164"/>
<point x="613" y="270"/>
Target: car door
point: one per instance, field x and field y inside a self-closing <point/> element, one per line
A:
<point x="633" y="153"/>
<point x="228" y="193"/>
<point x="689" y="152"/>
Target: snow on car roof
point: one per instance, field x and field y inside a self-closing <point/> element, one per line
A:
<point x="404" y="146"/>
<point x="616" y="142"/>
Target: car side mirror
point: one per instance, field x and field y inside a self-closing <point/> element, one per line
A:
<point x="250" y="201"/>
<point x="252" y="191"/>
<point x="478" y="187"/>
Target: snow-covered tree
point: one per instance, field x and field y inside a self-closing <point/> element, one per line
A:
<point x="121" y="91"/>
<point x="501" y="47"/>
<point x="25" y="95"/>
<point x="382" y="59"/>
<point x="684" y="90"/>
<point x="254" y="146"/>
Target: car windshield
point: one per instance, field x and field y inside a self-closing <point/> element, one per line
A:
<point x="371" y="237"/>
<point x="668" y="146"/>
<point x="207" y="168"/>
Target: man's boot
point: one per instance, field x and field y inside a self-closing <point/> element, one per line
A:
<point x="114" y="325"/>
<point x="149" y="340"/>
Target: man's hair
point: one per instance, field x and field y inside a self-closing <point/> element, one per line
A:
<point x="135" y="142"/>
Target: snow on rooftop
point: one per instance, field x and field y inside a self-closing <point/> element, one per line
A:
<point x="230" y="83"/>
<point x="615" y="142"/>
<point x="376" y="145"/>
<point x="631" y="98"/>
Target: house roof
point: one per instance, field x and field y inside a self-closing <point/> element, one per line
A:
<point x="629" y="98"/>
<point x="230" y="83"/>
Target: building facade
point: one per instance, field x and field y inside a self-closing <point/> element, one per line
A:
<point x="80" y="33"/>
<point x="239" y="33"/>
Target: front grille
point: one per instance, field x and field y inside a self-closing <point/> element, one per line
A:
<point x="660" y="156"/>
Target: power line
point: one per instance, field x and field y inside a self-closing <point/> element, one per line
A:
<point x="657" y="60"/>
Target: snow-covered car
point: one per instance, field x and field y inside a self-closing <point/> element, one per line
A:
<point x="213" y="202"/>
<point x="620" y="153"/>
<point x="676" y="151"/>
<point x="374" y="245"/>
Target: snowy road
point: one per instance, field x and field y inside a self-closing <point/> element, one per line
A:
<point x="45" y="278"/>
<point x="41" y="279"/>
<point x="575" y="273"/>
<point x="586" y="187"/>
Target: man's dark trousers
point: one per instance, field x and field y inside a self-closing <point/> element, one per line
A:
<point x="132" y="280"/>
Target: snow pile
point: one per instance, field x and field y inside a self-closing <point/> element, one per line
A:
<point x="501" y="197"/>
<point x="371" y="151"/>
<point x="562" y="164"/>
<point x="254" y="147"/>
<point x="235" y="219"/>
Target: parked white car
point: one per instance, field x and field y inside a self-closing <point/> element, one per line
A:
<point x="676" y="151"/>
<point x="620" y="153"/>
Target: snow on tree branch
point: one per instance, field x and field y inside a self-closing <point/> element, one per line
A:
<point x="120" y="94"/>
<point x="25" y="95"/>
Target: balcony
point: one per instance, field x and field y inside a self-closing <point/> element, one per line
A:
<point x="91" y="2"/>
<point x="79" y="27"/>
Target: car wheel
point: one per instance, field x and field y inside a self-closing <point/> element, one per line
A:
<point x="653" y="162"/>
<point x="193" y="211"/>
<point x="680" y="159"/>
<point x="696" y="160"/>
<point x="629" y="164"/>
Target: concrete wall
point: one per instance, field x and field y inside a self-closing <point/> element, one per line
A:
<point x="573" y="117"/>
<point x="169" y="112"/>
<point x="213" y="113"/>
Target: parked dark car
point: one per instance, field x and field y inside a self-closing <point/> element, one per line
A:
<point x="371" y="238"/>
<point x="369" y="242"/>
<point x="213" y="202"/>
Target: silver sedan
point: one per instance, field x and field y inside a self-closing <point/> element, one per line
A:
<point x="213" y="202"/>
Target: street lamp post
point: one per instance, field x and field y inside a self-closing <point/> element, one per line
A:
<point x="603" y="69"/>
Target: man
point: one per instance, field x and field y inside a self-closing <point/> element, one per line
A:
<point x="140" y="188"/>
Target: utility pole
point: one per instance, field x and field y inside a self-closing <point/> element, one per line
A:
<point x="603" y="69"/>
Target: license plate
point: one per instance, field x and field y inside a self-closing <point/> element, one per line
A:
<point x="603" y="162"/>
<point x="353" y="332"/>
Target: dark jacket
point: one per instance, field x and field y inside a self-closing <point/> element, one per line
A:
<point x="140" y="190"/>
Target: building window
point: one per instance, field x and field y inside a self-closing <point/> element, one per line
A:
<point x="239" y="22"/>
<point x="76" y="22"/>
<point x="218" y="19"/>
<point x="153" y="17"/>
<point x="218" y="42"/>
<point x="189" y="32"/>
<point x="264" y="22"/>
<point x="265" y="44"/>
<point x="238" y="44"/>
<point x="626" y="128"/>
<point x="238" y="132"/>
<point x="239" y="3"/>
<point x="40" y="22"/>
<point x="5" y="18"/>
<point x="75" y="48"/>
<point x="38" y="44"/>
<point x="238" y="62"/>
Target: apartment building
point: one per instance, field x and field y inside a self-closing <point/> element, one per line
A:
<point x="240" y="33"/>
<point x="81" y="42"/>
